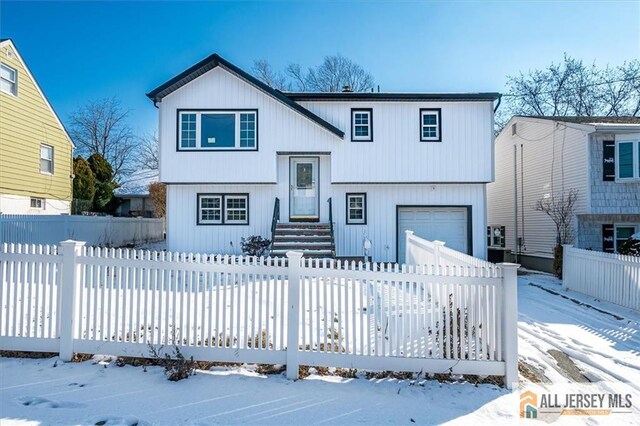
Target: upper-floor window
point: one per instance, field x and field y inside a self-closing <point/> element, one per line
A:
<point x="8" y="80"/>
<point x="46" y="159"/>
<point x="628" y="160"/>
<point x="362" y="125"/>
<point x="218" y="130"/>
<point x="430" y="125"/>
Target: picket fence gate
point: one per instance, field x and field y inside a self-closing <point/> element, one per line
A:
<point x="609" y="277"/>
<point x="294" y="311"/>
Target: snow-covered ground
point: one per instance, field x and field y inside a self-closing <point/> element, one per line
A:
<point x="601" y="339"/>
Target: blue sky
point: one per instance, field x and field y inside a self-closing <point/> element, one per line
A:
<point x="80" y="51"/>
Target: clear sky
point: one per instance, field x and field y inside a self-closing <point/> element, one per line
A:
<point x="80" y="51"/>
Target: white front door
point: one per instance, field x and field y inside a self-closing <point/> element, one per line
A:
<point x="303" y="189"/>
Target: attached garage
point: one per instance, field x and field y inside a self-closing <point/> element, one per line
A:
<point x="449" y="224"/>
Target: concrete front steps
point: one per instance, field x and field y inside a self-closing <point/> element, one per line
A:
<point x="312" y="239"/>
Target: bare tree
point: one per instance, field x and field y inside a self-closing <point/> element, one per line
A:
<point x="148" y="152"/>
<point x="265" y="72"/>
<point x="335" y="72"/>
<point x="559" y="207"/>
<point x="101" y="127"/>
<point x="573" y="88"/>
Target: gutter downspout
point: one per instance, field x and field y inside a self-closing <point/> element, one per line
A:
<point x="515" y="202"/>
<point x="498" y="105"/>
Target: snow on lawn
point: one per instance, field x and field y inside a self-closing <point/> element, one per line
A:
<point x="601" y="339"/>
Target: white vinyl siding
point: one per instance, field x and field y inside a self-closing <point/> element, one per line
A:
<point x="465" y="157"/>
<point x="545" y="154"/>
<point x="8" y="80"/>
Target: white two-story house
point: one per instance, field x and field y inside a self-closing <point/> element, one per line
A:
<point x="332" y="173"/>
<point x="537" y="157"/>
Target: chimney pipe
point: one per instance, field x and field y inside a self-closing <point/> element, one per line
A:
<point x="346" y="89"/>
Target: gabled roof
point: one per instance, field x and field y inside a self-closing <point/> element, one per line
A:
<point x="8" y="41"/>
<point x="377" y="96"/>
<point x="216" y="60"/>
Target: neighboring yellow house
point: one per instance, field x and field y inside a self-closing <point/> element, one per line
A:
<point x="36" y="153"/>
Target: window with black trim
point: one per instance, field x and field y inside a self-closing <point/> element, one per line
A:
<point x="627" y="163"/>
<point x="218" y="130"/>
<point x="496" y="236"/>
<point x="430" y="125"/>
<point x="357" y="209"/>
<point x="37" y="203"/>
<point x="223" y="209"/>
<point x="362" y="125"/>
<point x="623" y="233"/>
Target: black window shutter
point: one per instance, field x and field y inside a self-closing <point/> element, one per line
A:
<point x="502" y="236"/>
<point x="488" y="236"/>
<point x="608" y="160"/>
<point x="608" y="236"/>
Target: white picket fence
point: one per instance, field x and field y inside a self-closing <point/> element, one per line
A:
<point x="423" y="252"/>
<point x="606" y="276"/>
<point x="93" y="230"/>
<point x="291" y="311"/>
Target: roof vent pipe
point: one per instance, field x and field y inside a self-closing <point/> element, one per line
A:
<point x="346" y="89"/>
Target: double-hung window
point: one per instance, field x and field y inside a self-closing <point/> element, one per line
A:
<point x="628" y="160"/>
<point x="430" y="125"/>
<point x="8" y="80"/>
<point x="218" y="130"/>
<point x="357" y="209"/>
<point x="362" y="125"/>
<point x="46" y="159"/>
<point x="223" y="209"/>
<point x="623" y="233"/>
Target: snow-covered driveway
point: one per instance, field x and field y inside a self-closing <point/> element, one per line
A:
<point x="601" y="345"/>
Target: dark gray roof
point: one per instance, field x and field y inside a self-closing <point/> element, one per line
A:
<point x="216" y="60"/>
<point x="588" y="120"/>
<point x="377" y="96"/>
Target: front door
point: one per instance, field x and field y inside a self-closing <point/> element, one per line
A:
<point x="303" y="189"/>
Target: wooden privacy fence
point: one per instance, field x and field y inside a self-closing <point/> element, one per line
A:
<point x="291" y="311"/>
<point x="606" y="276"/>
<point x="93" y="230"/>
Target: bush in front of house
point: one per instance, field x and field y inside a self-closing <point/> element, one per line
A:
<point x="255" y="245"/>
<point x="631" y="247"/>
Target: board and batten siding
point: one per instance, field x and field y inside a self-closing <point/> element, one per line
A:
<point x="382" y="200"/>
<point x="549" y="158"/>
<point x="26" y="121"/>
<point x="396" y="154"/>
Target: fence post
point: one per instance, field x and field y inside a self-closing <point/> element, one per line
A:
<point x="293" y="319"/>
<point x="565" y="276"/>
<point x="510" y="322"/>
<point x="436" y="251"/>
<point x="70" y="268"/>
<point x="407" y="248"/>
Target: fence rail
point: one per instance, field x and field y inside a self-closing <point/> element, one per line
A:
<point x="94" y="230"/>
<point x="246" y="309"/>
<point x="606" y="276"/>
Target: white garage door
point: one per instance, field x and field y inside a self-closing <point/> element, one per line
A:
<point x="448" y="224"/>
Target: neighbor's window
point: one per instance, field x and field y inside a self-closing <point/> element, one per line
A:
<point x="46" y="159"/>
<point x="37" y="203"/>
<point x="623" y="233"/>
<point x="8" y="80"/>
<point x="628" y="160"/>
<point x="221" y="209"/>
<point x="497" y="236"/>
<point x="362" y="125"/>
<point x="218" y="130"/>
<point x="235" y="210"/>
<point x="430" y="127"/>
<point x="356" y="209"/>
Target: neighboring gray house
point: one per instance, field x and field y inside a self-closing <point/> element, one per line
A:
<point x="541" y="156"/>
<point x="133" y="193"/>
